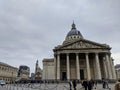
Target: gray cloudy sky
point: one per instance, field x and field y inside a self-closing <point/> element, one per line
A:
<point x="30" y="29"/>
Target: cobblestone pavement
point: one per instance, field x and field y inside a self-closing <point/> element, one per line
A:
<point x="2" y="88"/>
<point x="62" y="86"/>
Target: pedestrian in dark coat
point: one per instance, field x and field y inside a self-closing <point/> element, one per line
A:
<point x="70" y="83"/>
<point x="95" y="84"/>
<point x="90" y="85"/>
<point x="85" y="84"/>
<point x="92" y="82"/>
<point x="104" y="84"/>
<point x="74" y="84"/>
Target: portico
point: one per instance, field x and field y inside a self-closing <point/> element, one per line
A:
<point x="92" y="64"/>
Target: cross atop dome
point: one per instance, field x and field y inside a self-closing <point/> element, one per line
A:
<point x="73" y="26"/>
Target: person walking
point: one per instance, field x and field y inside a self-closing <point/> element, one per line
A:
<point x="104" y="84"/>
<point x="90" y="84"/>
<point x="85" y="84"/>
<point x="95" y="84"/>
<point x="74" y="84"/>
<point x="70" y="83"/>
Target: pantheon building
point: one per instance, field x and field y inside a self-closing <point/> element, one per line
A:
<point x="79" y="58"/>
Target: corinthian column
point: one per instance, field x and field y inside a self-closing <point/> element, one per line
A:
<point x="58" y="66"/>
<point x="97" y="66"/>
<point x="88" y="66"/>
<point x="113" y="68"/>
<point x="114" y="71"/>
<point x="68" y="67"/>
<point x="77" y="66"/>
<point x="55" y="64"/>
<point x="105" y="68"/>
<point x="108" y="66"/>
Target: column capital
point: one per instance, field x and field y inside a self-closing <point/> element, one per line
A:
<point x="58" y="53"/>
<point x="77" y="53"/>
<point x="55" y="55"/>
<point x="96" y="53"/>
<point x="108" y="53"/>
<point x="67" y="53"/>
<point x="86" y="53"/>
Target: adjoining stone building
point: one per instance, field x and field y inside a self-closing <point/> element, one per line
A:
<point x="48" y="69"/>
<point x="117" y="70"/>
<point x="7" y="72"/>
<point x="23" y="72"/>
<point x="79" y="58"/>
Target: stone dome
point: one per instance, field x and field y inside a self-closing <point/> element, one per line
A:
<point x="74" y="32"/>
<point x="73" y="35"/>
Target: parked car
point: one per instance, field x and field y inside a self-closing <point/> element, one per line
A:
<point x="2" y="82"/>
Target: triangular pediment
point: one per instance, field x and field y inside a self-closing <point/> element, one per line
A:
<point x="83" y="44"/>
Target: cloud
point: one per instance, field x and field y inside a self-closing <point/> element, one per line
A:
<point x="30" y="29"/>
<point x="117" y="57"/>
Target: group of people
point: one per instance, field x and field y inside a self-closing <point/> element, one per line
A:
<point x="89" y="84"/>
<point x="73" y="84"/>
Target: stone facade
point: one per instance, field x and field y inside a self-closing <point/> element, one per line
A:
<point x="7" y="72"/>
<point x="79" y="58"/>
<point x="117" y="70"/>
<point x="48" y="69"/>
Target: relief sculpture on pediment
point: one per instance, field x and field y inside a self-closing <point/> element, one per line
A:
<point x="82" y="45"/>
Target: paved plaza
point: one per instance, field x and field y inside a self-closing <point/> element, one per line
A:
<point x="61" y="86"/>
